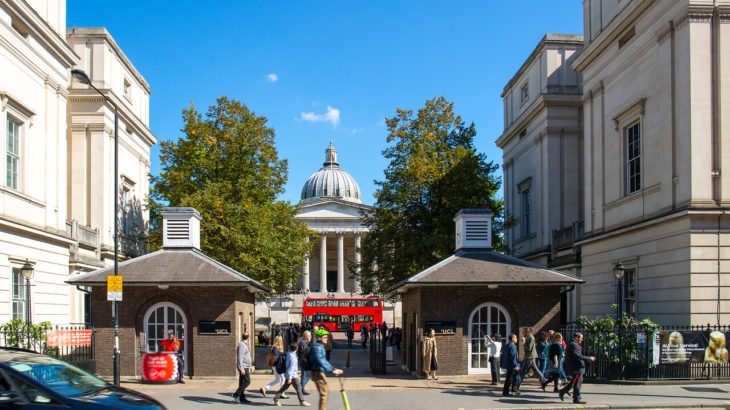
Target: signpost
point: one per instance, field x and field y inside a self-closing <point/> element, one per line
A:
<point x="114" y="288"/>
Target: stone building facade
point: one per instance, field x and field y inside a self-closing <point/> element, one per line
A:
<point x="650" y="187"/>
<point x="56" y="142"/>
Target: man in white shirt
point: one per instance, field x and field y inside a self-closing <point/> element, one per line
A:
<point x="494" y="344"/>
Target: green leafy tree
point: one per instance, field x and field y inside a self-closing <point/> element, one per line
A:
<point x="227" y="167"/>
<point x="434" y="171"/>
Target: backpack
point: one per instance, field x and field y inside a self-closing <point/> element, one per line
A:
<point x="280" y="364"/>
<point x="271" y="357"/>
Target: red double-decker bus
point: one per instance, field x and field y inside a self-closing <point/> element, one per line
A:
<point x="338" y="314"/>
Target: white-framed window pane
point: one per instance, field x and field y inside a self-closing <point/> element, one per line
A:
<point x="633" y="158"/>
<point x="629" y="292"/>
<point x="18" y="294"/>
<point x="12" y="153"/>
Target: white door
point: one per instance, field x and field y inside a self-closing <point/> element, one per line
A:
<point x="486" y="319"/>
<point x="162" y="318"/>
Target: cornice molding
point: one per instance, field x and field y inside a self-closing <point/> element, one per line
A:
<point x="85" y="34"/>
<point x="42" y="31"/>
<point x="624" y="20"/>
<point x="543" y="102"/>
<point x="78" y="95"/>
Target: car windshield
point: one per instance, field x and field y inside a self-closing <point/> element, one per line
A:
<point x="57" y="375"/>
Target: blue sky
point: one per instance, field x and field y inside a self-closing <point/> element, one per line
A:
<point x="322" y="71"/>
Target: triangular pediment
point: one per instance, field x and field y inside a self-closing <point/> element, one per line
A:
<point x="331" y="209"/>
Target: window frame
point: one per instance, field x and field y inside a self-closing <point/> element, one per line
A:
<point x="629" y="281"/>
<point x="524" y="92"/>
<point x="18" y="154"/>
<point x="18" y="282"/>
<point x="525" y="211"/>
<point x="632" y="177"/>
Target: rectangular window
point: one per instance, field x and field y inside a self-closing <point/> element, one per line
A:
<point x="126" y="209"/>
<point x="18" y="294"/>
<point x="12" y="153"/>
<point x="525" y="217"/>
<point x="629" y="292"/>
<point x="524" y="93"/>
<point x="633" y="158"/>
<point x="127" y="86"/>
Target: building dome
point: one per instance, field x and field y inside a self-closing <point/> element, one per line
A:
<point x="331" y="181"/>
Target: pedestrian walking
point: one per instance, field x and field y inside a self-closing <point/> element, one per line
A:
<point x="277" y="350"/>
<point x="329" y="346"/>
<point x="494" y="344"/>
<point x="350" y="335"/>
<point x="320" y="366"/>
<point x="430" y="356"/>
<point x="292" y="371"/>
<point x="304" y="345"/>
<point x="554" y="357"/>
<point x="576" y="366"/>
<point x="542" y="345"/>
<point x="364" y="336"/>
<point x="243" y="365"/>
<point x="530" y="350"/>
<point x="510" y="361"/>
<point x="397" y="336"/>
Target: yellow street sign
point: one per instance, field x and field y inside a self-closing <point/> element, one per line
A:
<point x="114" y="283"/>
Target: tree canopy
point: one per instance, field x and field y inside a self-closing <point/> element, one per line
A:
<point x="434" y="172"/>
<point x="227" y="167"/>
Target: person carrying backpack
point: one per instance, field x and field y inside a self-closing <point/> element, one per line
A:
<point x="276" y="358"/>
<point x="319" y="366"/>
<point x="350" y="335"/>
<point x="303" y="347"/>
<point x="291" y="371"/>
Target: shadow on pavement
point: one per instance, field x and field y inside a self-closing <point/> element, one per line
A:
<point x="208" y="400"/>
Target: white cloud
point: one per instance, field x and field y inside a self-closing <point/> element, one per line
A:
<point x="272" y="78"/>
<point x="332" y="115"/>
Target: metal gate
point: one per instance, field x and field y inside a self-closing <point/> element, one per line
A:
<point x="377" y="350"/>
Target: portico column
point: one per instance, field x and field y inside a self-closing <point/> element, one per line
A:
<point x="305" y="273"/>
<point x="358" y="259"/>
<point x="323" y="262"/>
<point x="340" y="261"/>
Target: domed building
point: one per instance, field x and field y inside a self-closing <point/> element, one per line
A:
<point x="331" y="205"/>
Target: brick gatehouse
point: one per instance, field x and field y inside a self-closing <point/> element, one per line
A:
<point x="205" y="303"/>
<point x="475" y="292"/>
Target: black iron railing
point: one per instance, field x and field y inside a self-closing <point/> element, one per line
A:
<point x="377" y="350"/>
<point x="670" y="352"/>
<point x="73" y="344"/>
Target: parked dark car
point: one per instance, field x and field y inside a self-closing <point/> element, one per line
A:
<point x="30" y="380"/>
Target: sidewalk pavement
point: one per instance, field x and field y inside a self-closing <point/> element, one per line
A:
<point x="396" y="390"/>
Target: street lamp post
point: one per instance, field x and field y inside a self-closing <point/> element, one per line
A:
<point x="27" y="271"/>
<point x="81" y="76"/>
<point x="618" y="272"/>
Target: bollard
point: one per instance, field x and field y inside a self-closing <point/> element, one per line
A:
<point x="347" y="359"/>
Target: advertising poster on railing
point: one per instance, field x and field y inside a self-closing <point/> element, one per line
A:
<point x="675" y="346"/>
<point x="60" y="338"/>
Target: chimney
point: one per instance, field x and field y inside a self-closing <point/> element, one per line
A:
<point x="473" y="229"/>
<point x="180" y="228"/>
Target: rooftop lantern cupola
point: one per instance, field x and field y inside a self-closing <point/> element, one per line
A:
<point x="330" y="156"/>
<point x="180" y="227"/>
<point x="473" y="229"/>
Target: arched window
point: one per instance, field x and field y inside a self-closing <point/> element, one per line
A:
<point x="486" y="319"/>
<point x="162" y="318"/>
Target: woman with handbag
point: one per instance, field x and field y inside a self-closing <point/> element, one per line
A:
<point x="277" y="349"/>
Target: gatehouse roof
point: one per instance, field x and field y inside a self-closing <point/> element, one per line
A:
<point x="485" y="267"/>
<point x="173" y="267"/>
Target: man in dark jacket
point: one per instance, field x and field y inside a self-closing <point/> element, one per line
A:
<point x="303" y="346"/>
<point x="510" y="361"/>
<point x="575" y="366"/>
